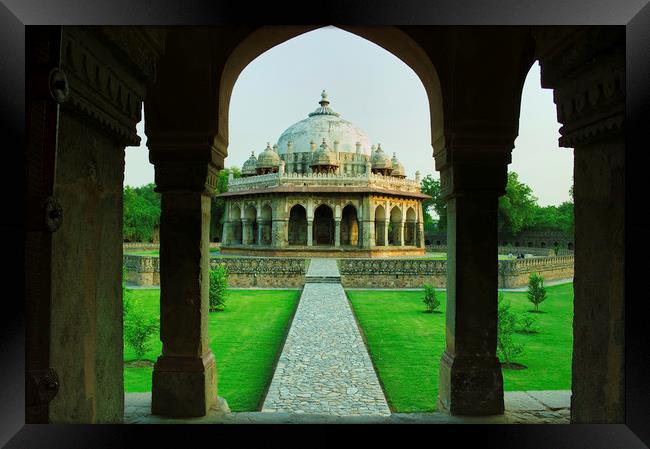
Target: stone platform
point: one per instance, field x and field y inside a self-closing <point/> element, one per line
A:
<point x="522" y="407"/>
<point x="339" y="252"/>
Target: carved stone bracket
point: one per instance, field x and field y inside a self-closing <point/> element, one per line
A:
<point x="107" y="69"/>
<point x="586" y="69"/>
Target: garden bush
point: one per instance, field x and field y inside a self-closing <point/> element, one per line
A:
<point x="507" y="349"/>
<point x="430" y="299"/>
<point x="139" y="327"/>
<point x="218" y="288"/>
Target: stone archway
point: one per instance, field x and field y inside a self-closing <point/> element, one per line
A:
<point x="235" y="226"/>
<point x="380" y="226"/>
<point x="410" y="230"/>
<point x="323" y="226"/>
<point x="349" y="226"/>
<point x="297" y="225"/>
<point x="249" y="226"/>
<point x="395" y="235"/>
<point x="265" y="225"/>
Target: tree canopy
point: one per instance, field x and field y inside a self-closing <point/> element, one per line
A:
<point x="218" y="204"/>
<point x="141" y="213"/>
<point x="518" y="209"/>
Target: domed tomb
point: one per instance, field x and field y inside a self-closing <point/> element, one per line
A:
<point x="321" y="124"/>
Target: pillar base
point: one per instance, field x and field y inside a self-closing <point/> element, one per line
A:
<point x="471" y="386"/>
<point x="184" y="386"/>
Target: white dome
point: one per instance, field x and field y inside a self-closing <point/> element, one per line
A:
<point x="324" y="124"/>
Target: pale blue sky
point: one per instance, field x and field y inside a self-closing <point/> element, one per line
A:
<point x="376" y="91"/>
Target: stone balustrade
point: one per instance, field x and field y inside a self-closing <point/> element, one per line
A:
<point x="323" y="179"/>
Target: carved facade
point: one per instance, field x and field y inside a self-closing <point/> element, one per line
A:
<point x="340" y="198"/>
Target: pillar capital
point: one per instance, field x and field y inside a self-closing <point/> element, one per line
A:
<point x="585" y="67"/>
<point x="109" y="89"/>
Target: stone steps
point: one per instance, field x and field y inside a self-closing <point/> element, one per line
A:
<point x="322" y="279"/>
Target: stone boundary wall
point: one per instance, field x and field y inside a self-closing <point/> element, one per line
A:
<point x="285" y="272"/>
<point x="142" y="270"/>
<point x="539" y="252"/>
<point x="242" y="272"/>
<point x="396" y="273"/>
<point x="413" y="273"/>
<point x="263" y="272"/>
<point x="514" y="273"/>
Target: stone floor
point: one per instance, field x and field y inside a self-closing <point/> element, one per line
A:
<point x="325" y="367"/>
<point x="522" y="407"/>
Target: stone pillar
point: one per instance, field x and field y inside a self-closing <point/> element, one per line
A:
<point x="368" y="234"/>
<point x="401" y="233"/>
<point x="260" y="226"/>
<point x="245" y="232"/>
<point x="225" y="235"/>
<point x="184" y="376"/>
<point x="310" y="232"/>
<point x="587" y="73"/>
<point x="471" y="382"/>
<point x="280" y="232"/>
<point x="76" y="134"/>
<point x="337" y="232"/>
<point x="386" y="222"/>
<point x="420" y="235"/>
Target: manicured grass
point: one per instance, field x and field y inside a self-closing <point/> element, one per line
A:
<point x="245" y="338"/>
<point x="406" y="344"/>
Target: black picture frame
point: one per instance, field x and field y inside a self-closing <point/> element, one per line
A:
<point x="634" y="15"/>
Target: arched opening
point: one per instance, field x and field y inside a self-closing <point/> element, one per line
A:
<point x="380" y="226"/>
<point x="410" y="231"/>
<point x="349" y="226"/>
<point x="266" y="223"/>
<point x="297" y="225"/>
<point x="323" y="225"/>
<point x="570" y="246"/>
<point x="235" y="226"/>
<point x="250" y="226"/>
<point x="395" y="227"/>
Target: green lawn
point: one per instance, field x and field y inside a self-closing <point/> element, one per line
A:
<point x="406" y="344"/>
<point x="246" y="339"/>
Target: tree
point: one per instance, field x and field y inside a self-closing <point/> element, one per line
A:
<point x="517" y="206"/>
<point x="431" y="187"/>
<point x="536" y="290"/>
<point x="507" y="349"/>
<point x="430" y="300"/>
<point x="141" y="213"/>
<point x="218" y="204"/>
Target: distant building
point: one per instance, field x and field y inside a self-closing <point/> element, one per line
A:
<point x="323" y="188"/>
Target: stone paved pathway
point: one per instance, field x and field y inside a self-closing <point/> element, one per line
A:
<point x="324" y="367"/>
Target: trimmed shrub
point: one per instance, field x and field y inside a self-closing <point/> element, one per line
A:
<point x="218" y="288"/>
<point x="430" y="299"/>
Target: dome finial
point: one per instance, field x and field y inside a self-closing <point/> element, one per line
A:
<point x="323" y="99"/>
